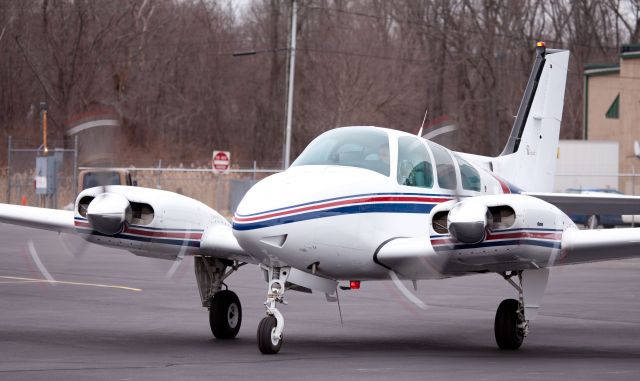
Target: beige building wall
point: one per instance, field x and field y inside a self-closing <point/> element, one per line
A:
<point x="602" y="87"/>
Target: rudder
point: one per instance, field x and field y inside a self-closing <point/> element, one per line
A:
<point x="529" y="157"/>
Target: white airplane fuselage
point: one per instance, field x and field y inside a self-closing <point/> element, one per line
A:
<point x="337" y="216"/>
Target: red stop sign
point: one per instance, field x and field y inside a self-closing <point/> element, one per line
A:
<point x="221" y="161"/>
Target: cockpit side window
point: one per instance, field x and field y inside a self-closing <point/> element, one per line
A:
<point x="445" y="167"/>
<point x="360" y="147"/>
<point x="469" y="175"/>
<point x="414" y="163"/>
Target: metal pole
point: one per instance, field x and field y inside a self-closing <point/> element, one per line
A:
<point x="292" y="66"/>
<point x="9" y="172"/>
<point x="75" y="166"/>
<point x="633" y="190"/>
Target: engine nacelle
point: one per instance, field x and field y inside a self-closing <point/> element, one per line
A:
<point x="149" y="222"/>
<point x="474" y="219"/>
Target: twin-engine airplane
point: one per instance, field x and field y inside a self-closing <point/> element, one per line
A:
<point x="367" y="203"/>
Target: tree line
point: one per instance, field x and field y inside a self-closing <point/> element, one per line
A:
<point x="190" y="76"/>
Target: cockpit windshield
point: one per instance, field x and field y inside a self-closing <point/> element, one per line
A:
<point x="360" y="147"/>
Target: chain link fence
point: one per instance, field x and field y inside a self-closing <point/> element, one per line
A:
<point x="222" y="192"/>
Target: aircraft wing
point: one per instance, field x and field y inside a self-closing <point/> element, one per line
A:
<point x="591" y="203"/>
<point x="415" y="258"/>
<point x="40" y="218"/>
<point x="581" y="246"/>
<point x="219" y="241"/>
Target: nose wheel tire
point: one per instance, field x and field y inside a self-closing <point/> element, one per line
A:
<point x="508" y="325"/>
<point x="267" y="342"/>
<point x="225" y="315"/>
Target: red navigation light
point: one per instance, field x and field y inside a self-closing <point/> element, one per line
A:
<point x="354" y="284"/>
<point x="540" y="44"/>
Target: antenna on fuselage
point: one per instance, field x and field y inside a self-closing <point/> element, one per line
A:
<point x="423" y="120"/>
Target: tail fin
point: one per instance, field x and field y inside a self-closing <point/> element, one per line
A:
<point x="529" y="158"/>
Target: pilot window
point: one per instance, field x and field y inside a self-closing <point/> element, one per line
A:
<point x="469" y="175"/>
<point x="360" y="147"/>
<point x="445" y="167"/>
<point x="414" y="163"/>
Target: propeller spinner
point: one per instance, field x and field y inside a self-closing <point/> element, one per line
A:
<point x="108" y="212"/>
<point x="468" y="220"/>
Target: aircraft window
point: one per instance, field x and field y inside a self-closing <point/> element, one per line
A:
<point x="469" y="175"/>
<point x="414" y="163"/>
<point x="360" y="147"/>
<point x="444" y="167"/>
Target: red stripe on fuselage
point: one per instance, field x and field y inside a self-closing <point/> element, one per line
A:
<point x="503" y="184"/>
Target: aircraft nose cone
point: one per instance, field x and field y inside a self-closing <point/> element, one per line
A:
<point x="108" y="212"/>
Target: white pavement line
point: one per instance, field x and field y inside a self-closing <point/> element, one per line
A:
<point x="71" y="283"/>
<point x="36" y="259"/>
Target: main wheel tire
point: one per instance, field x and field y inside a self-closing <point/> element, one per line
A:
<point x="266" y="343"/>
<point x="508" y="335"/>
<point x="225" y="315"/>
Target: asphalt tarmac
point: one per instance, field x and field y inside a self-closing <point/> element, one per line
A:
<point x="78" y="328"/>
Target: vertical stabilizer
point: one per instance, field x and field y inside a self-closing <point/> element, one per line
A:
<point x="529" y="157"/>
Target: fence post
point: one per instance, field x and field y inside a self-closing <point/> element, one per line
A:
<point x="9" y="172"/>
<point x="158" y="185"/>
<point x="633" y="190"/>
<point x="255" y="167"/>
<point x="74" y="186"/>
<point x="218" y="201"/>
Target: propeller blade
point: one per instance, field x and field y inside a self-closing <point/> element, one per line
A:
<point x="405" y="291"/>
<point x="36" y="259"/>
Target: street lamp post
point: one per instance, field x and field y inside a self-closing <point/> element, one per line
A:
<point x="292" y="67"/>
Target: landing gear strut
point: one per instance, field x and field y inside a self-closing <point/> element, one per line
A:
<point x="225" y="310"/>
<point x="270" y="329"/>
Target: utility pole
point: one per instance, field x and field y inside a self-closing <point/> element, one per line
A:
<point x="292" y="67"/>
<point x="43" y="108"/>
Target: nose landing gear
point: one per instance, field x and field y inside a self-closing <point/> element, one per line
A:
<point x="271" y="326"/>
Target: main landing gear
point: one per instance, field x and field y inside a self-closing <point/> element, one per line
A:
<point x="225" y="310"/>
<point x="513" y="316"/>
<point x="225" y="315"/>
